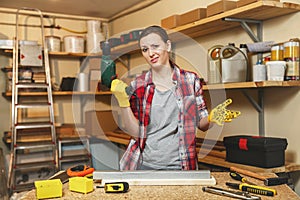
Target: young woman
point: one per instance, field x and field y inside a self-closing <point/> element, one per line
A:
<point x="164" y="112"/>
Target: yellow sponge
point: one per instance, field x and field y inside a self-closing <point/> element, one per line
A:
<point x="48" y="188"/>
<point x="81" y="184"/>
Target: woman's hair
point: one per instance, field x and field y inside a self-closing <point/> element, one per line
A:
<point x="157" y="30"/>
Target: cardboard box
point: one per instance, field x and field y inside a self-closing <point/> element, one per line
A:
<point x="263" y="152"/>
<point x="241" y="3"/>
<point x="95" y="78"/>
<point x="98" y="122"/>
<point x="31" y="55"/>
<point x="170" y="22"/>
<point x="219" y="7"/>
<point x="192" y="16"/>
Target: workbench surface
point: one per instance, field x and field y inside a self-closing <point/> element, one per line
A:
<point x="171" y="192"/>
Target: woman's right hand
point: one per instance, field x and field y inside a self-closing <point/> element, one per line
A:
<point x="118" y="88"/>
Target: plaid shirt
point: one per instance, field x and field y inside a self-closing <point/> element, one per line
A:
<point x="192" y="108"/>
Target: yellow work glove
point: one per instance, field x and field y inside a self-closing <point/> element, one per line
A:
<point x="220" y="114"/>
<point x="118" y="89"/>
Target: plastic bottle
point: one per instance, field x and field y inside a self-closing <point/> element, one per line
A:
<point x="214" y="65"/>
<point x="234" y="64"/>
<point x="259" y="72"/>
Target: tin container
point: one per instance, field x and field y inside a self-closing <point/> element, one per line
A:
<point x="292" y="57"/>
<point x="291" y="48"/>
<point x="277" y="52"/>
<point x="74" y="44"/>
<point x="53" y="43"/>
<point x="292" y="71"/>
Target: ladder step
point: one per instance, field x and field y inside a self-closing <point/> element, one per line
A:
<point x="27" y="125"/>
<point x="35" y="165"/>
<point x="34" y="105"/>
<point x="21" y="146"/>
<point x="32" y="85"/>
<point x="82" y="157"/>
<point x="23" y="187"/>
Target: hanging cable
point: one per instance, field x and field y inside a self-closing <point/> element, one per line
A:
<point x="69" y="30"/>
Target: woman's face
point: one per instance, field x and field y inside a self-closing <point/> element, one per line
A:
<point x="155" y="50"/>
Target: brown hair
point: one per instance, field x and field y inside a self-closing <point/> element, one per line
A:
<point x="157" y="30"/>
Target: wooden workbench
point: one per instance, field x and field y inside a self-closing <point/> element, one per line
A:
<point x="214" y="155"/>
<point x="170" y="192"/>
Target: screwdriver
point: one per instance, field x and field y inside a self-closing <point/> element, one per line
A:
<point x="253" y="188"/>
<point x="238" y="177"/>
<point x="115" y="187"/>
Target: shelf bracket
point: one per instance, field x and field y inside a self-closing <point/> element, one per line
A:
<point x="126" y="64"/>
<point x="244" y="23"/>
<point x="259" y="106"/>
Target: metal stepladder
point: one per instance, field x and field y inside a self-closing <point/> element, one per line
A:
<point x="23" y="152"/>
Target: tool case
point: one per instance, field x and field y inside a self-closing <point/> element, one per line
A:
<point x="257" y="151"/>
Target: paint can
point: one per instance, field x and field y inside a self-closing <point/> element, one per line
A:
<point x="291" y="56"/>
<point x="277" y="52"/>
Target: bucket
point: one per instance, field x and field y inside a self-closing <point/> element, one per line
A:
<point x="93" y="26"/>
<point x="93" y="42"/>
<point x="74" y="44"/>
<point x="53" y="43"/>
<point x="275" y="70"/>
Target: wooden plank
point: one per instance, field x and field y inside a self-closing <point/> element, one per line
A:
<point x="59" y="93"/>
<point x="261" y="10"/>
<point x="156" y="177"/>
<point x="240" y="85"/>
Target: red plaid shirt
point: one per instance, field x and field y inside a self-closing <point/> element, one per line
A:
<point x="192" y="108"/>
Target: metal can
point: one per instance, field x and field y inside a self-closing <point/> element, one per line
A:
<point x="291" y="48"/>
<point x="291" y="56"/>
<point x="277" y="52"/>
<point x="292" y="71"/>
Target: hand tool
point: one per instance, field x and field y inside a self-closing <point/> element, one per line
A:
<point x="252" y="188"/>
<point x="229" y="193"/>
<point x="267" y="181"/>
<point x="238" y="177"/>
<point x="115" y="187"/>
<point x="80" y="170"/>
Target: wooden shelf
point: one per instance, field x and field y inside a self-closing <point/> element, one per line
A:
<point x="59" y="93"/>
<point x="245" y="85"/>
<point x="226" y="86"/>
<point x="261" y="10"/>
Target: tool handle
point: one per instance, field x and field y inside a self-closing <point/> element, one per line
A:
<point x="257" y="189"/>
<point x="248" y="173"/>
<point x="236" y="176"/>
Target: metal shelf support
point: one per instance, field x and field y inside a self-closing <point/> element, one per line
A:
<point x="259" y="106"/>
<point x="244" y="23"/>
